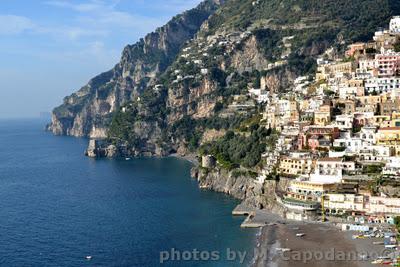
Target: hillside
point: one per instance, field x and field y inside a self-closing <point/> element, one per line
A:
<point x="89" y="111"/>
<point x="173" y="90"/>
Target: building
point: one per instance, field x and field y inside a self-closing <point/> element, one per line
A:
<point x="394" y="25"/>
<point x="389" y="107"/>
<point x="326" y="71"/>
<point x="356" y="48"/>
<point x="295" y="166"/>
<point x="392" y="167"/>
<point x="352" y="145"/>
<point x="343" y="203"/>
<point x="319" y="142"/>
<point x="366" y="65"/>
<point x="363" y="118"/>
<point x="373" y="153"/>
<point x="388" y="63"/>
<point x="382" y="85"/>
<point x="389" y="137"/>
<point x="322" y="117"/>
<point x="383" y="205"/>
<point x="368" y="135"/>
<point x="317" y="133"/>
<point x="306" y="190"/>
<point x="361" y="204"/>
<point x="328" y="170"/>
<point x="344" y="122"/>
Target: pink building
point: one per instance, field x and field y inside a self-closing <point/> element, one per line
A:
<point x="354" y="48"/>
<point x="388" y="64"/>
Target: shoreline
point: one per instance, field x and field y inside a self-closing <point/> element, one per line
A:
<point x="276" y="233"/>
<point x="189" y="157"/>
<point x="323" y="244"/>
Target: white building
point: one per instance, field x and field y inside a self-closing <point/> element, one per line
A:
<point x="352" y="145"/>
<point x="204" y="71"/>
<point x="394" y="25"/>
<point x="383" y="205"/>
<point x="261" y="96"/>
<point x="344" y="122"/>
<point x="374" y="153"/>
<point x="328" y="170"/>
<point x="380" y="85"/>
<point x="367" y="64"/>
<point x="392" y="166"/>
<point x="368" y="135"/>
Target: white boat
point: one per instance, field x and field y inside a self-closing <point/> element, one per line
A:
<point x="300" y="234"/>
<point x="88" y="258"/>
<point x="283" y="249"/>
<point x="127" y="158"/>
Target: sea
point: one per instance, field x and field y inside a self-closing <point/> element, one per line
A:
<point x="60" y="208"/>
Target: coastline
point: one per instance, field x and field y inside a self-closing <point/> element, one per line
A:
<point x="276" y="233"/>
<point x="192" y="158"/>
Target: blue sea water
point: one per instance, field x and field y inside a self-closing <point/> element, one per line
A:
<point x="58" y="206"/>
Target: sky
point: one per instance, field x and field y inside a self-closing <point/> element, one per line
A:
<point x="51" y="48"/>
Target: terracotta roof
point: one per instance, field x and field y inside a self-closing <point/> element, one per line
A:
<point x="330" y="159"/>
<point x="389" y="128"/>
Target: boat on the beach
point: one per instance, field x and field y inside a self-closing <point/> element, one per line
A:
<point x="283" y="249"/>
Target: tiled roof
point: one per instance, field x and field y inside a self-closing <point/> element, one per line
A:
<point x="331" y="159"/>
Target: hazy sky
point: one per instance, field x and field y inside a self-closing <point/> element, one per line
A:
<point x="49" y="49"/>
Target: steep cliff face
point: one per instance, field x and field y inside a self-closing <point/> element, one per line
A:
<point x="185" y="100"/>
<point x="249" y="57"/>
<point x="88" y="112"/>
<point x="253" y="194"/>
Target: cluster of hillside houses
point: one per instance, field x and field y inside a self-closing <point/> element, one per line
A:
<point x="340" y="132"/>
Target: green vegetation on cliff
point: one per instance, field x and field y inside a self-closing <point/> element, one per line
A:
<point x="239" y="149"/>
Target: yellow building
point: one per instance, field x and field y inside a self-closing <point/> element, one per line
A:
<point x="341" y="203"/>
<point x="369" y="99"/>
<point x="381" y="121"/>
<point x="295" y="166"/>
<point x="325" y="71"/>
<point x="390" y="123"/>
<point x="322" y="117"/>
<point x="294" y="111"/>
<point x="309" y="191"/>
<point x="395" y="116"/>
<point x="390" y="137"/>
<point x="280" y="113"/>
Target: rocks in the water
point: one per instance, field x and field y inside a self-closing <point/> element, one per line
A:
<point x="98" y="148"/>
<point x="93" y="149"/>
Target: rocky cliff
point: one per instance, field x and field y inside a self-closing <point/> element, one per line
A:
<point x="253" y="193"/>
<point x="88" y="112"/>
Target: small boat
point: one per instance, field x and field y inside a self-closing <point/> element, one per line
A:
<point x="127" y="158"/>
<point x="300" y="234"/>
<point x="283" y="249"/>
<point x="88" y="258"/>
